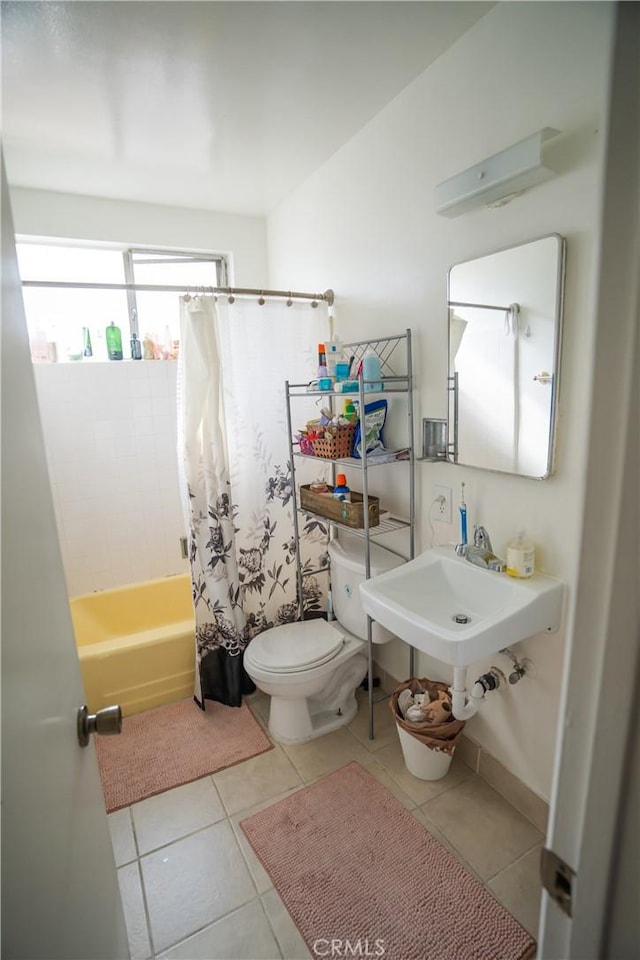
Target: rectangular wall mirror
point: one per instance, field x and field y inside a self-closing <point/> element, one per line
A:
<point x="505" y="320"/>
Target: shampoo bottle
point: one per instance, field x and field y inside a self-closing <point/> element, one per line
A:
<point x="114" y="342"/>
<point x="521" y="556"/>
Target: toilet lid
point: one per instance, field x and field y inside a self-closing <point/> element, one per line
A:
<point x="296" y="646"/>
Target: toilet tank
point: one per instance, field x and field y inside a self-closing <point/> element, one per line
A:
<point x="347" y="573"/>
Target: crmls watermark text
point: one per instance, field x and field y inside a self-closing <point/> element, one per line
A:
<point x="339" y="947"/>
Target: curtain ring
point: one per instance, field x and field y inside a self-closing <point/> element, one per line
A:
<point x="261" y="298"/>
<point x="314" y="303"/>
<point x="187" y="296"/>
<point x="289" y="301"/>
<point x="232" y="299"/>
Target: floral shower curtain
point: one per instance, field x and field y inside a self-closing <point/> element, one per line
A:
<point x="234" y="359"/>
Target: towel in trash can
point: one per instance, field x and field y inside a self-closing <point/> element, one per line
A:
<point x="434" y="731"/>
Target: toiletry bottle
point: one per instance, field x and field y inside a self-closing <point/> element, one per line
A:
<point x="342" y="362"/>
<point x="86" y="341"/>
<point x="341" y="491"/>
<point x="39" y="350"/>
<point x="147" y="346"/>
<point x="167" y="346"/>
<point x="136" y="348"/>
<point x="330" y="358"/>
<point x="371" y="370"/>
<point x="324" y="380"/>
<point x="322" y="362"/>
<point x="333" y="354"/>
<point x="521" y="555"/>
<point x="114" y="342"/>
<point x="330" y="613"/>
<point x="350" y="411"/>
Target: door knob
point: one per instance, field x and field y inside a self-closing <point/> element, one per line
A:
<point x="107" y="722"/>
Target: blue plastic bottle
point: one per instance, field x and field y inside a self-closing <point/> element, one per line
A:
<point x="341" y="491"/>
<point x="371" y="370"/>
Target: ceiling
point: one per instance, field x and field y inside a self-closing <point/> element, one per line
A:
<point x="224" y="106"/>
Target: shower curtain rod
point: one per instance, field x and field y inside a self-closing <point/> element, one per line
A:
<point x="478" y="306"/>
<point x="328" y="295"/>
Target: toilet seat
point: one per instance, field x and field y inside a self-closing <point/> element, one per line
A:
<point x="295" y="647"/>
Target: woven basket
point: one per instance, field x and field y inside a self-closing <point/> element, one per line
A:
<point x="337" y="442"/>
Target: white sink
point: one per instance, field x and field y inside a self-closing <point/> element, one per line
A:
<point x="420" y="600"/>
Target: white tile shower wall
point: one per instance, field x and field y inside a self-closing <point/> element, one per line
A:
<point x="110" y="437"/>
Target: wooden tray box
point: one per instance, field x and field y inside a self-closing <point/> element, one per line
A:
<point x="350" y="514"/>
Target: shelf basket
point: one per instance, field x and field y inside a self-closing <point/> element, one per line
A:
<point x="350" y="514"/>
<point x="337" y="442"/>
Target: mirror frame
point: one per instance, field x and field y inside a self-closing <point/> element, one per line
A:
<point x="555" y="372"/>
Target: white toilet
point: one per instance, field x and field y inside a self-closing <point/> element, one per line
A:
<point x="312" y="669"/>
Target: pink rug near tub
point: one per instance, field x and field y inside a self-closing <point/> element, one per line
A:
<point x="352" y="865"/>
<point x="172" y="745"/>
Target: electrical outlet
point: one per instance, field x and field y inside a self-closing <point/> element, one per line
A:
<point x="442" y="509"/>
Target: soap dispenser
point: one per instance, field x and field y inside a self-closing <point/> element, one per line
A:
<point x="521" y="554"/>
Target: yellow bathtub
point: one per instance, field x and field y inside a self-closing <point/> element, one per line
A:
<point x="136" y="644"/>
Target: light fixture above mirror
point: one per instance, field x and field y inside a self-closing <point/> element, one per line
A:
<point x="498" y="179"/>
<point x="505" y="318"/>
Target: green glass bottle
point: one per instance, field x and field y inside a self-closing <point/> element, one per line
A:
<point x="114" y="342"/>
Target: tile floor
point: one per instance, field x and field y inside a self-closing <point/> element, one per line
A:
<point x="192" y="887"/>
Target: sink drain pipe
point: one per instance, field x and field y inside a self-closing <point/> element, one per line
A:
<point x="465" y="704"/>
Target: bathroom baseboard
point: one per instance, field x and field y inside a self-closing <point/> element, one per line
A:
<point x="514" y="791"/>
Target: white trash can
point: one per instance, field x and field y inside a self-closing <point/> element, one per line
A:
<point x="421" y="760"/>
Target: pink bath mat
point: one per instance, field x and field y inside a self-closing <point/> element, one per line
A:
<point x="352" y="865"/>
<point x="172" y="745"/>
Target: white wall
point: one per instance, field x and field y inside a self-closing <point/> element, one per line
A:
<point x="42" y="213"/>
<point x="110" y="428"/>
<point x="364" y="225"/>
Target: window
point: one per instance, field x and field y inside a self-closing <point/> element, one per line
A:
<point x="57" y="317"/>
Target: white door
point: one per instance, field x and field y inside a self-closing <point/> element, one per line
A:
<point x="593" y="824"/>
<point x="60" y="898"/>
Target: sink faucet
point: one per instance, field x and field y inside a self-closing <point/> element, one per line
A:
<point x="481" y="553"/>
